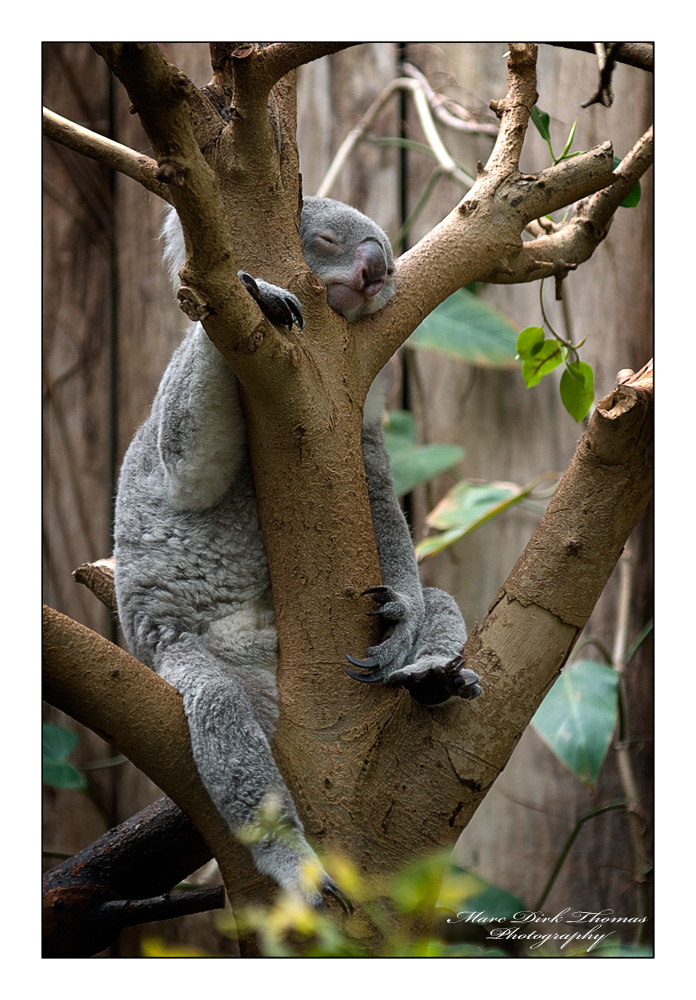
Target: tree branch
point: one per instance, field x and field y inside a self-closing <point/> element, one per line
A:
<point x="575" y="241"/>
<point x="280" y="58"/>
<point x="99" y="578"/>
<point x="602" y="205"/>
<point x="638" y="54"/>
<point x="138" y="166"/>
<point x="563" y="183"/>
<point x="159" y="92"/>
<point x="515" y="108"/>
<point x="145" y="856"/>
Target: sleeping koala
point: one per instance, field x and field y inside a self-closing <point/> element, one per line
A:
<point x="192" y="580"/>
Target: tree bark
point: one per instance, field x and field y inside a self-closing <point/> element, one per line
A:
<point x="88" y="900"/>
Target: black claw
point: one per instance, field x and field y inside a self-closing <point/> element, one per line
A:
<point x="297" y="315"/>
<point x="371" y="666"/>
<point x="340" y="898"/>
<point x="378" y="594"/>
<point x="368" y="664"/>
<point x="365" y="678"/>
<point x="279" y="308"/>
<point x="249" y="283"/>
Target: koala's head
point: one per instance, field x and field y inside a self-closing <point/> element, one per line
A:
<point x="351" y="255"/>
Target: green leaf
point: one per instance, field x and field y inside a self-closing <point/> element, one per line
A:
<point x="529" y="341"/>
<point x="465" y="327"/>
<point x="465" y="892"/>
<point x="577" y="717"/>
<point x="58" y="743"/>
<point x="633" y="196"/>
<point x="60" y="775"/>
<point x="463" y="509"/>
<point x="542" y="121"/>
<point x="466" y="503"/>
<point x="569" y="141"/>
<point x="547" y="357"/>
<point x="577" y="388"/>
<point x="411" y="463"/>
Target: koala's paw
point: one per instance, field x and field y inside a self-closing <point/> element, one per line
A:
<point x="316" y="887"/>
<point x="280" y="306"/>
<point x="403" y="619"/>
<point x="329" y="890"/>
<point x="287" y="857"/>
<point x="432" y="680"/>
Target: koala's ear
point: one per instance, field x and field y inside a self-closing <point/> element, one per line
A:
<point x="174" y="252"/>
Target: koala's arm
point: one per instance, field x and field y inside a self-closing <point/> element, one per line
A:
<point x="200" y="429"/>
<point x="425" y="631"/>
<point x="397" y="560"/>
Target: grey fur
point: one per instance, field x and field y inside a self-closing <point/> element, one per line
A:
<point x="192" y="580"/>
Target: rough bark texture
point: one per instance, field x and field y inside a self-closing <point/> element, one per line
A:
<point x="88" y="900"/>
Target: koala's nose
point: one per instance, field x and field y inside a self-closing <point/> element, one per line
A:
<point x="374" y="269"/>
<point x="373" y="288"/>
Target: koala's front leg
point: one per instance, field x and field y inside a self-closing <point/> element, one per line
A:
<point x="435" y="670"/>
<point x="399" y="599"/>
<point x="425" y="631"/>
<point x="280" y="306"/>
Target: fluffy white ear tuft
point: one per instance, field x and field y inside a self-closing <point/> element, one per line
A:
<point x="174" y="253"/>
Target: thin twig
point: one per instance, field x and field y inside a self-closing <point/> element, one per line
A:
<point x="567" y="846"/>
<point x="447" y="111"/>
<point x="139" y="167"/>
<point x="415" y="88"/>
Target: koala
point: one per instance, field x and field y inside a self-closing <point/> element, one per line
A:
<point x="192" y="580"/>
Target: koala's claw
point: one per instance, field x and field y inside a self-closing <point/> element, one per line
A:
<point x="435" y="684"/>
<point x="464" y="681"/>
<point x="372" y="668"/>
<point x="280" y="306"/>
<point x="391" y="606"/>
<point x="371" y="663"/>
<point x="329" y="888"/>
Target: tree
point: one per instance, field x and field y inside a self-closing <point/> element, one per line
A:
<point x="459" y="749"/>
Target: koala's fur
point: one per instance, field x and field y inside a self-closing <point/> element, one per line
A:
<point x="192" y="581"/>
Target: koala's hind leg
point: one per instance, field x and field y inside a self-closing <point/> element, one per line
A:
<point x="233" y="756"/>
